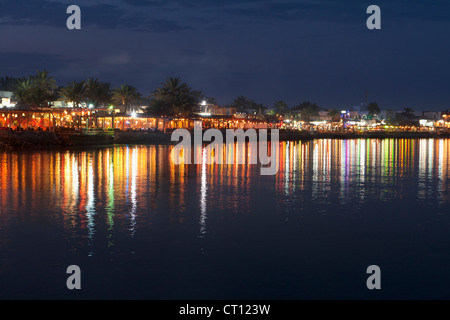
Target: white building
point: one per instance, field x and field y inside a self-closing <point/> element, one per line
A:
<point x="6" y="99"/>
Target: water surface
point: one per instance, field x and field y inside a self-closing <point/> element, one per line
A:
<point x="141" y="227"/>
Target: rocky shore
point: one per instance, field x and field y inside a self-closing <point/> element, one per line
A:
<point x="142" y="137"/>
<point x="13" y="140"/>
<point x="31" y="140"/>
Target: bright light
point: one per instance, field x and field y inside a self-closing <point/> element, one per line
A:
<point x="91" y="106"/>
<point x="133" y="115"/>
<point x="6" y="102"/>
<point x="317" y="123"/>
<point x="205" y="114"/>
<point x="111" y="107"/>
<point x="204" y="103"/>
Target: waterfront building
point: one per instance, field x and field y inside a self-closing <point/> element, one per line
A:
<point x="7" y="99"/>
<point x="63" y="117"/>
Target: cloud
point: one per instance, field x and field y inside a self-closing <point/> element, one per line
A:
<point x="103" y="15"/>
<point x="20" y="64"/>
<point x="143" y="3"/>
<point x="271" y="48"/>
<point x="190" y="3"/>
<point x="117" y="59"/>
<point x="170" y="16"/>
<point x="323" y="10"/>
<point x="178" y="15"/>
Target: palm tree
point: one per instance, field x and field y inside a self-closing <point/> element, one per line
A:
<point x="9" y="83"/>
<point x="39" y="97"/>
<point x="171" y="91"/>
<point x="408" y="113"/>
<point x="43" y="81"/>
<point x="75" y="92"/>
<point x="307" y="110"/>
<point x="172" y="86"/>
<point x="97" y="93"/>
<point x="37" y="90"/>
<point x="280" y="107"/>
<point x="156" y="107"/>
<point x="23" y="91"/>
<point x="178" y="96"/>
<point x="373" y="108"/>
<point x="125" y="95"/>
<point x="244" y="104"/>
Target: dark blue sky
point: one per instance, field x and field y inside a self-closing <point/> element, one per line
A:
<point x="267" y="50"/>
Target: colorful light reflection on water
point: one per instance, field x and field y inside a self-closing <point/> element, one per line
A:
<point x="129" y="209"/>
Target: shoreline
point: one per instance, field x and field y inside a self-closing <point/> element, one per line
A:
<point x="25" y="140"/>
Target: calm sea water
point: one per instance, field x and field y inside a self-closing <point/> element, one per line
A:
<point x="140" y="227"/>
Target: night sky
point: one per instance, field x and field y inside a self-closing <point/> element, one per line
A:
<point x="267" y="50"/>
